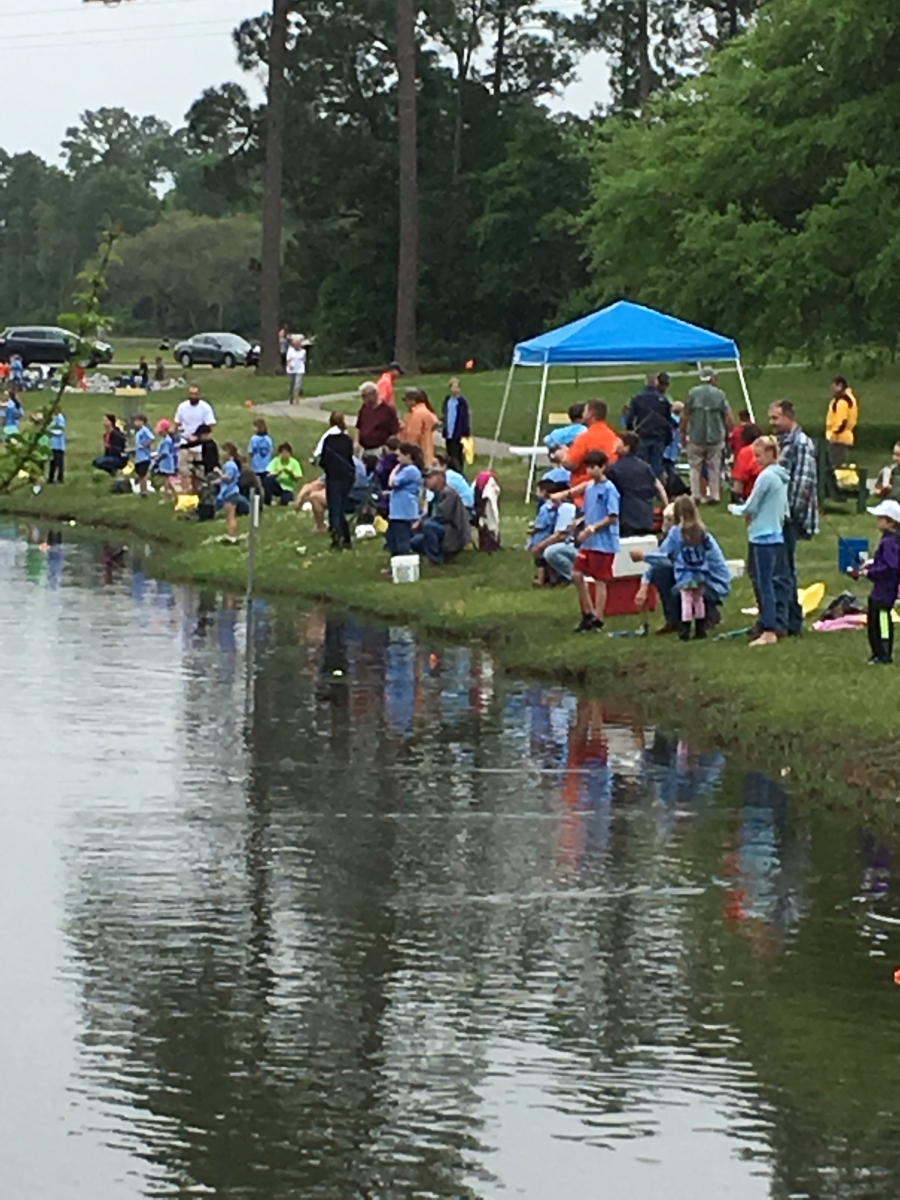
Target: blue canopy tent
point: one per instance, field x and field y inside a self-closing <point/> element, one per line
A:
<point x="622" y="334"/>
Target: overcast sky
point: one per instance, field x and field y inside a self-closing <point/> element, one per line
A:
<point x="148" y="56"/>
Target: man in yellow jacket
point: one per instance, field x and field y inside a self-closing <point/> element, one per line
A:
<point x="840" y="421"/>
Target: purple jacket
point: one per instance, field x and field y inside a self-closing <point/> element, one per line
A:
<point x="884" y="570"/>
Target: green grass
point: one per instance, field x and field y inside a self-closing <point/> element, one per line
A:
<point x="808" y="707"/>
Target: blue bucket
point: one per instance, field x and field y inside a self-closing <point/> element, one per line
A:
<point x="851" y="552"/>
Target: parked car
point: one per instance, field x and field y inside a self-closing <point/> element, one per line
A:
<point x="217" y="350"/>
<point x="47" y="344"/>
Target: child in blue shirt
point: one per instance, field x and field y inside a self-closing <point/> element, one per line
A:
<point x="260" y="450"/>
<point x="57" y="431"/>
<point x="143" y="445"/>
<point x="405" y="484"/>
<point x="12" y="414"/>
<point x="229" y="491"/>
<point x="165" y="463"/>
<point x="598" y="541"/>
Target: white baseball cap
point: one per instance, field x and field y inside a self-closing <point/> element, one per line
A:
<point x="887" y="508"/>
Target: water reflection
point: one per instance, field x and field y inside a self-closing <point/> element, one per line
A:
<point x="319" y="908"/>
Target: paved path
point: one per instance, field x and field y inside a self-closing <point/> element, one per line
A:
<point x="317" y="408"/>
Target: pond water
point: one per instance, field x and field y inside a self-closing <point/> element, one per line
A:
<point x="294" y="905"/>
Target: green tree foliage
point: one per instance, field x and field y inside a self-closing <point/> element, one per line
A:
<point x="763" y="197"/>
<point x="187" y="273"/>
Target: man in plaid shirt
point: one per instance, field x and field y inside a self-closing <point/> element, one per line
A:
<point x="798" y="457"/>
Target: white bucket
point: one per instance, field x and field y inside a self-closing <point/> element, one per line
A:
<point x="736" y="567"/>
<point x="405" y="568"/>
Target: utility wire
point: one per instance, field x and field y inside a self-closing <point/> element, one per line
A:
<point x="46" y="12"/>
<point x="75" y="33"/>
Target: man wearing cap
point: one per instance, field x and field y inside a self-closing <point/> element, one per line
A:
<point x="649" y="415"/>
<point x="704" y="423"/>
<point x="884" y="572"/>
<point x="445" y="529"/>
<point x="386" y="381"/>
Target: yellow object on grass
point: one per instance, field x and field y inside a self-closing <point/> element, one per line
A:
<point x="809" y="598"/>
<point x="186" y="503"/>
<point x="847" y="478"/>
<point x="468" y="449"/>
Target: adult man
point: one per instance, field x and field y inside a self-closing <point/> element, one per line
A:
<point x="193" y="412"/>
<point x="705" y="421"/>
<point x="376" y="420"/>
<point x="565" y="435"/>
<point x="445" y="529"/>
<point x="649" y="415"/>
<point x="798" y="457"/>
<point x="295" y="365"/>
<point x="840" y="421"/>
<point x="638" y="488"/>
<point x="386" y="381"/>
<point x="597" y="436"/>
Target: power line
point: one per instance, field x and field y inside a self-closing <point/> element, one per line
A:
<point x="111" y="32"/>
<point x="111" y="41"/>
<point x="46" y="12"/>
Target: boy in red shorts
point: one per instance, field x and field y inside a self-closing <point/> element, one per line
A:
<point x="598" y="542"/>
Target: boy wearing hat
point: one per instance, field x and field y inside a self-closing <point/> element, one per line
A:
<point x="884" y="572"/>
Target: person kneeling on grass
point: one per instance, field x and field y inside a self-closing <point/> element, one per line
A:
<point x="689" y="571"/>
<point x="282" y="474"/>
<point x="884" y="572"/>
<point x="598" y="542"/>
<point x="445" y="529"/>
<point x="549" y="528"/>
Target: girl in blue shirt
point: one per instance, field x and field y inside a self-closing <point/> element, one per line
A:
<point x="166" y="461"/>
<point x="143" y="442"/>
<point x="12" y="415"/>
<point x="260" y="450"/>
<point x="57" y="433"/>
<point x="229" y="491"/>
<point x="405" y="484"/>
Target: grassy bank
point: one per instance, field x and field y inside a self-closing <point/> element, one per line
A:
<point x="809" y="709"/>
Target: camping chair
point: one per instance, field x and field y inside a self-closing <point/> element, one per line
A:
<point x="841" y="485"/>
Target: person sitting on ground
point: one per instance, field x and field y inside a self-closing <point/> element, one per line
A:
<point x="114" y="456"/>
<point x="366" y="490"/>
<point x="456" y="424"/>
<point x="405" y="485"/>
<point x="745" y="469"/>
<point x="840" y="421"/>
<point x="649" y="415"/>
<point x="376" y="421"/>
<point x="283" y="473"/>
<point x="550" y="526"/>
<point x="597" y="436"/>
<point x="313" y="494"/>
<point x="260" y="450"/>
<point x="228" y="493"/>
<point x="766" y="511"/>
<point x="639" y="488"/>
<point x="687" y="555"/>
<point x="458" y="482"/>
<point x="598" y="542"/>
<point x="420" y="424"/>
<point x="887" y="484"/>
<point x="445" y="528"/>
<point x="565" y="435"/>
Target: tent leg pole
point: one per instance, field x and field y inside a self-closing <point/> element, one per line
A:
<point x="509" y="379"/>
<point x="747" y="400"/>
<point x="537" y="430"/>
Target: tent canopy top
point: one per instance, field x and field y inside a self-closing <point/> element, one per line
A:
<point x="624" y="333"/>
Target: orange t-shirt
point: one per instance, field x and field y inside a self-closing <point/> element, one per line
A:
<point x="598" y="436"/>
<point x="385" y="386"/>
<point x="418" y="428"/>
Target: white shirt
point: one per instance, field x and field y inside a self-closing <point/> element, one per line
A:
<point x="191" y="416"/>
<point x="564" y="518"/>
<point x="296" y="361"/>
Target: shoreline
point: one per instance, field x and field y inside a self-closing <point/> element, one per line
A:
<point x="858" y="771"/>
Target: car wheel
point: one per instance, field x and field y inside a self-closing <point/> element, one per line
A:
<point x="229" y="361"/>
<point x="186" y="360"/>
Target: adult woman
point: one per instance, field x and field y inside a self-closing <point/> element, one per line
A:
<point x="418" y="428"/>
<point x="336" y="460"/>
<point x="765" y="512"/>
<point x="113" y="458"/>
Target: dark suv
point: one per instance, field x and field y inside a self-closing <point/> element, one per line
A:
<point x="47" y="344"/>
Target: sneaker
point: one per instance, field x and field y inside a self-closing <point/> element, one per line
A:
<point x="588" y="624"/>
<point x="875" y="661"/>
<point x="684" y="632"/>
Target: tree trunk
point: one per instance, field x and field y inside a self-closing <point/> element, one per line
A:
<point x="645" y="71"/>
<point x="270" y="273"/>
<point x="461" y="73"/>
<point x="405" y="345"/>
<point x="500" y="53"/>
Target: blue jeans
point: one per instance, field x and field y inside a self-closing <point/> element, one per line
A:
<point x="428" y="540"/>
<point x="111" y="463"/>
<point x="768" y="571"/>
<point x="399" y="536"/>
<point x="560" y="557"/>
<point x="789" y="615"/>
<point x="652" y="453"/>
<point x="337" y="495"/>
<point x="662" y="576"/>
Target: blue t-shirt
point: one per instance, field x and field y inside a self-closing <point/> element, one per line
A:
<point x="452" y="409"/>
<point x="461" y="486"/>
<point x="143" y="440"/>
<point x="12" y="411"/>
<point x="228" y="488"/>
<point x="404" y="504"/>
<point x="564" y="436"/>
<point x="544" y="524"/>
<point x="261" y="450"/>
<point x="165" y="455"/>
<point x="600" y="501"/>
<point x="58" y="432"/>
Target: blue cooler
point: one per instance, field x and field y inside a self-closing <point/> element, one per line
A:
<point x="851" y="552"/>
